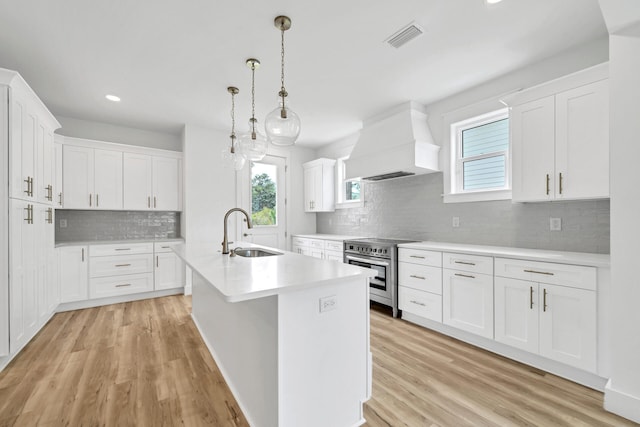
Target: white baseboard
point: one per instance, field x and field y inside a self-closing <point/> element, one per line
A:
<point x="79" y="305"/>
<point x="621" y="403"/>
<point x="5" y="360"/>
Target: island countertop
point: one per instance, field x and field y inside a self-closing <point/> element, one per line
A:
<point x="241" y="279"/>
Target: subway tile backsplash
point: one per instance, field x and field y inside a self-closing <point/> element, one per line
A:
<point x="115" y="225"/>
<point x="412" y="208"/>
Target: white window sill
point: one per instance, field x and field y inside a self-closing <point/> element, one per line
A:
<point x="349" y="205"/>
<point x="480" y="196"/>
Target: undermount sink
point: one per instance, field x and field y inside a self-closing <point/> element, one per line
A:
<point x="254" y="252"/>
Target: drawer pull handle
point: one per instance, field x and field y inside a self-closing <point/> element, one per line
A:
<point x="418" y="303"/>
<point x="123" y="265"/>
<point x="123" y="285"/>
<point x="531" y="297"/>
<point x="165" y="247"/>
<point x="465" y="275"/>
<point x="464" y="262"/>
<point x="123" y="249"/>
<point x="544" y="300"/>
<point x="417" y="277"/>
<point x="539" y="272"/>
<point x="547" y="184"/>
<point x="416" y="256"/>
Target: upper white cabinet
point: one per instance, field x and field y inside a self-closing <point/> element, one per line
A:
<point x="92" y="178"/>
<point x="152" y="182"/>
<point x="57" y="173"/>
<point x="560" y="142"/>
<point x="319" y="191"/>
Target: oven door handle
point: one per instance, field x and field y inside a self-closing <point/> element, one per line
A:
<point x="368" y="261"/>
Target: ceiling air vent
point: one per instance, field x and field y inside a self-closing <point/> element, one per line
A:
<point x="405" y="35"/>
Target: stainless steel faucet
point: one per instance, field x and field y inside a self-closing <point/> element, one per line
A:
<point x="225" y="241"/>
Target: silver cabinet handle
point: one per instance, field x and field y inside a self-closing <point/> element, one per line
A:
<point x="417" y="277"/>
<point x="531" y="297"/>
<point x="465" y="275"/>
<point x="149" y="201"/>
<point x="97" y="200"/>
<point x="157" y="261"/>
<point x="28" y="190"/>
<point x="28" y="218"/>
<point x="560" y="185"/>
<point x="154" y="202"/>
<point x="123" y="249"/>
<point x="123" y="285"/>
<point x="418" y="303"/>
<point x="539" y="272"/>
<point x="123" y="265"/>
<point x="416" y="256"/>
<point x="465" y="262"/>
<point x="548" y="184"/>
<point x="60" y="198"/>
<point x="90" y="199"/>
<point x="49" y="218"/>
<point x="544" y="300"/>
<point x="165" y="247"/>
<point x="82" y="254"/>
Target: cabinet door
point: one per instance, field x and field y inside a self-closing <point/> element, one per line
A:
<point x="40" y="222"/>
<point x="467" y="301"/>
<point x="107" y="174"/>
<point x="58" y="198"/>
<point x="516" y="313"/>
<point x="582" y="142"/>
<point x="568" y="326"/>
<point x="169" y="271"/>
<point x="77" y="177"/>
<point x="23" y="302"/>
<point x="73" y="273"/>
<point x="43" y="191"/>
<point x="309" y="187"/>
<point x="22" y="149"/>
<point x="532" y="148"/>
<point x="138" y="184"/>
<point x="166" y="184"/>
<point x="51" y="265"/>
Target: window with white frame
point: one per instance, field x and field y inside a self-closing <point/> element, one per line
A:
<point x="349" y="192"/>
<point x="480" y="154"/>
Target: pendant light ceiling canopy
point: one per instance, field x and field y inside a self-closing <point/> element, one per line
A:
<point x="282" y="125"/>
<point x="253" y="144"/>
<point x="231" y="158"/>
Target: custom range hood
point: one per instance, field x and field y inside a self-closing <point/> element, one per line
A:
<point x="394" y="144"/>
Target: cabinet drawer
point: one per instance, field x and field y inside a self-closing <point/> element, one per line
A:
<point x="160" y="247"/>
<point x="299" y="241"/>
<point x="334" y="255"/>
<point x="318" y="244"/>
<point x="419" y="256"/>
<point x="101" y="287"/>
<point x="333" y="245"/>
<point x="421" y="277"/>
<point x="120" y="264"/>
<point x="471" y="263"/>
<point x="423" y="304"/>
<point x="574" y="276"/>
<point x="121" y="249"/>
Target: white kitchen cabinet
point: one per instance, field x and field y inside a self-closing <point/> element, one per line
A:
<point x="120" y="269"/>
<point x="46" y="280"/>
<point x="560" y="145"/>
<point x="92" y="178"/>
<point x="169" y="271"/>
<point x="43" y="182"/>
<point x="22" y="148"/>
<point x="73" y="265"/>
<point x="152" y="182"/>
<point x="420" y="283"/>
<point x="319" y="183"/>
<point x="467" y="301"/>
<point x="57" y="181"/>
<point x="319" y="248"/>
<point x="552" y="312"/>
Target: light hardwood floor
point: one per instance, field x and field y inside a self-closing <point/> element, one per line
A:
<point x="144" y="364"/>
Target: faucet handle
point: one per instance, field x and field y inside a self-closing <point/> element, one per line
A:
<point x="232" y="253"/>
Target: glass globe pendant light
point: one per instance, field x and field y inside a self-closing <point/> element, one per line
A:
<point x="282" y="124"/>
<point x="253" y="144"/>
<point x="231" y="158"/>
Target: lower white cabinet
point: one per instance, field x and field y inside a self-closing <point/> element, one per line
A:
<point x="101" y="287"/>
<point x="129" y="271"/>
<point x="554" y="320"/>
<point x="319" y="248"/>
<point x="169" y="269"/>
<point x="73" y="273"/>
<point x="467" y="301"/>
<point x="420" y="303"/>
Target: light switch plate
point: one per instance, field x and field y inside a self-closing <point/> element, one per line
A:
<point x="455" y="222"/>
<point x="555" y="224"/>
<point x="63" y="223"/>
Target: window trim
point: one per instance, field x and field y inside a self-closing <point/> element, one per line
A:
<point x="456" y="193"/>
<point x="341" y="203"/>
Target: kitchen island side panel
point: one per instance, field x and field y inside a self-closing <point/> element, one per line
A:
<point x="242" y="338"/>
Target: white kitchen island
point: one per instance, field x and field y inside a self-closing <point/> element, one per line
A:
<point x="290" y="334"/>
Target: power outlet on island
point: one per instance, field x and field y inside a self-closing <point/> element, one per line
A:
<point x="455" y="223"/>
<point x="328" y="303"/>
<point x="555" y="224"/>
<point x="63" y="223"/>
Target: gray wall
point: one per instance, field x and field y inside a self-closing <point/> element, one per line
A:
<point x="116" y="225"/>
<point x="412" y="208"/>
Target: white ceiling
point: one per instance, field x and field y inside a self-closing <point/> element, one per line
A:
<point x="171" y="61"/>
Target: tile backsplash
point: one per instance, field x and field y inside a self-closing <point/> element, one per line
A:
<point x="115" y="225"/>
<point x="412" y="208"/>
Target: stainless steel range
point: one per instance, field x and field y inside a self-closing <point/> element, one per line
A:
<point x="380" y="255"/>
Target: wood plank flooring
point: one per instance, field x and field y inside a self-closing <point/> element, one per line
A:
<point x="144" y="364"/>
<point x="141" y="363"/>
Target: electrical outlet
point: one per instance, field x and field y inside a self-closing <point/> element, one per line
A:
<point x="456" y="222"/>
<point x="328" y="303"/>
<point x="555" y="224"/>
<point x="63" y="223"/>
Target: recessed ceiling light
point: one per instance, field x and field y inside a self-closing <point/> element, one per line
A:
<point x="113" y="98"/>
<point x="492" y="1"/>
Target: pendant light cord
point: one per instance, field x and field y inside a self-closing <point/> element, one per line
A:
<point x="253" y="101"/>
<point x="233" y="121"/>
<point x="283" y="92"/>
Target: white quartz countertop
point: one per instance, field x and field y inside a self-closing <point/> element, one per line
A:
<point x="240" y="279"/>
<point x="336" y="237"/>
<point x="119" y="242"/>
<point x="577" y="258"/>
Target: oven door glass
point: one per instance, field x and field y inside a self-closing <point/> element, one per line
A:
<point x="378" y="282"/>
